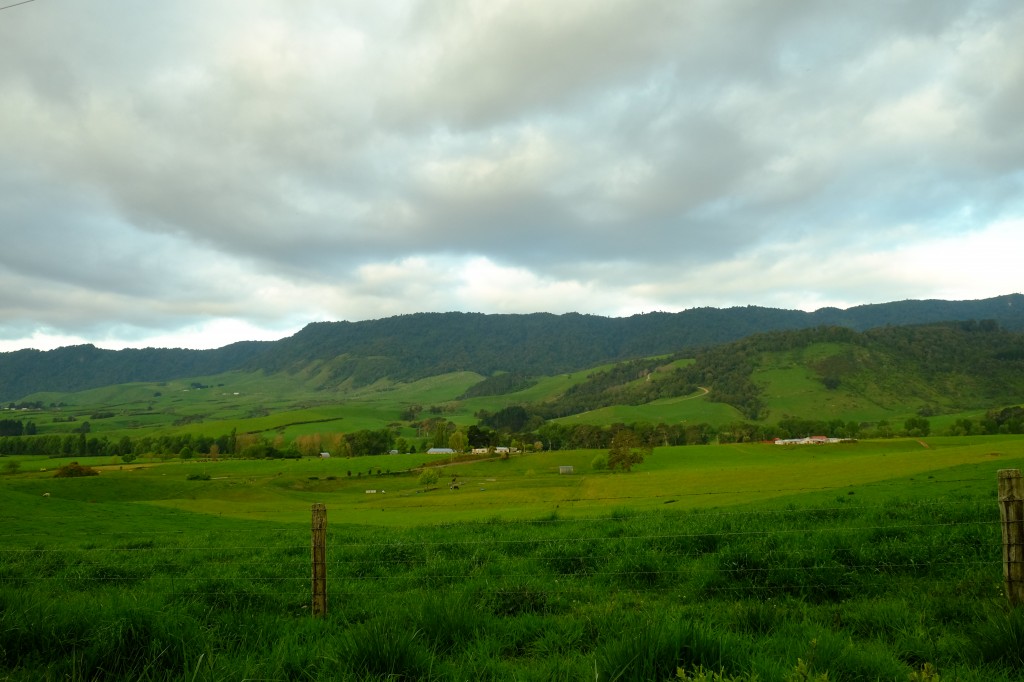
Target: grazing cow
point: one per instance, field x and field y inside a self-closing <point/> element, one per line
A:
<point x="46" y="494"/>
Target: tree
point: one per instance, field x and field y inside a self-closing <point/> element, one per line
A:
<point x="917" y="426"/>
<point x="626" y="450"/>
<point x="11" y="427"/>
<point x="11" y="467"/>
<point x="457" y="441"/>
<point x="440" y="435"/>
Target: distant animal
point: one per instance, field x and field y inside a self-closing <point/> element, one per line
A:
<point x="46" y="494"/>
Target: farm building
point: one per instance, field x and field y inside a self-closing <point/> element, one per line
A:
<point x="440" y="451"/>
<point x="566" y="470"/>
<point x="810" y="440"/>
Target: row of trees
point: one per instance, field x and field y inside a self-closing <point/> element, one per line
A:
<point x="15" y="427"/>
<point x="247" y="445"/>
<point x="532" y="434"/>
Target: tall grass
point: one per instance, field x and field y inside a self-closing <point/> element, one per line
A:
<point x="861" y="591"/>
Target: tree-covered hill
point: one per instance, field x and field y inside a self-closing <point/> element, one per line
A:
<point x="944" y="367"/>
<point x="416" y="346"/>
<point x="75" y="368"/>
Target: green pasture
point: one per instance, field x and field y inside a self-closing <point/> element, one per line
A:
<point x="691" y="409"/>
<point x="872" y="560"/>
<point x="522" y="486"/>
<point x="797" y="392"/>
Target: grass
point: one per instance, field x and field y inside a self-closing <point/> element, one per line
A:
<point x="628" y="596"/>
<point x="865" y="561"/>
<point x="691" y="476"/>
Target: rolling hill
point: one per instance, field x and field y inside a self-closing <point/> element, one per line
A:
<point x="410" y="347"/>
<point x="825" y="372"/>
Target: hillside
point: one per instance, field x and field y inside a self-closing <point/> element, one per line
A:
<point x="411" y="347"/>
<point x="826" y="372"/>
<point x="77" y="368"/>
<point x="968" y="377"/>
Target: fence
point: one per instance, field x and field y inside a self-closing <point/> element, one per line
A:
<point x="823" y="553"/>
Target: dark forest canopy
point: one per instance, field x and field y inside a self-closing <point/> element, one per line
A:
<point x="410" y="347"/>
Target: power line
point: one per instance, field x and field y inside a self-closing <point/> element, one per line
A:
<point x="23" y="2"/>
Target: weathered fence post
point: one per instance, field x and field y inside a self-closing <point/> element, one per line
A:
<point x="319" y="556"/>
<point x="1011" y="516"/>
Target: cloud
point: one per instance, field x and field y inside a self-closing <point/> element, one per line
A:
<point x="207" y="163"/>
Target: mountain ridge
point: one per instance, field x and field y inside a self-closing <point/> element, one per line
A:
<point x="416" y="345"/>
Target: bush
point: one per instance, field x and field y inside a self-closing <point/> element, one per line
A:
<point x="75" y="470"/>
<point x="198" y="477"/>
<point x="599" y="463"/>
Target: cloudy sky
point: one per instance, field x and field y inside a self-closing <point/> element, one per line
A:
<point x="197" y="172"/>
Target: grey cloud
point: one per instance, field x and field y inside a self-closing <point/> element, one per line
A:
<point x="577" y="141"/>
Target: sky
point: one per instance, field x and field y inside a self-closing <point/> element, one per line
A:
<point x="199" y="172"/>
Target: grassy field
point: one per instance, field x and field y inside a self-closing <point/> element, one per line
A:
<point x="863" y="561"/>
<point x="522" y="486"/>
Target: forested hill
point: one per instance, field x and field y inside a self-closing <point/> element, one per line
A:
<point x="946" y="367"/>
<point x="75" y="368"/>
<point x="414" y="346"/>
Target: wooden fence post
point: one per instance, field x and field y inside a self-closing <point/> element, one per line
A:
<point x="319" y="557"/>
<point x="1011" y="516"/>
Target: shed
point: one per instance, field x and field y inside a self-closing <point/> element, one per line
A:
<point x="325" y="455"/>
<point x="566" y="470"/>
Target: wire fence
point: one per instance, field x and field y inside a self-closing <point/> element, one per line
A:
<point x="822" y="552"/>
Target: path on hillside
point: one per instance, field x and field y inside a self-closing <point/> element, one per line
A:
<point x="691" y="397"/>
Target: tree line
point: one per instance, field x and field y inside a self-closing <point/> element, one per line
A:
<point x="541" y="435"/>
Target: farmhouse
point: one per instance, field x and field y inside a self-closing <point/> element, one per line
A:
<point x="810" y="440"/>
<point x="440" y="451"/>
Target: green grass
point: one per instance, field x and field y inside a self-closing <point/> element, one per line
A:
<point x="694" y="476"/>
<point x="865" y="561"/>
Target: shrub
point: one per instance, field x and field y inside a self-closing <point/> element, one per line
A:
<point x="75" y="470"/>
<point x="198" y="477"/>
